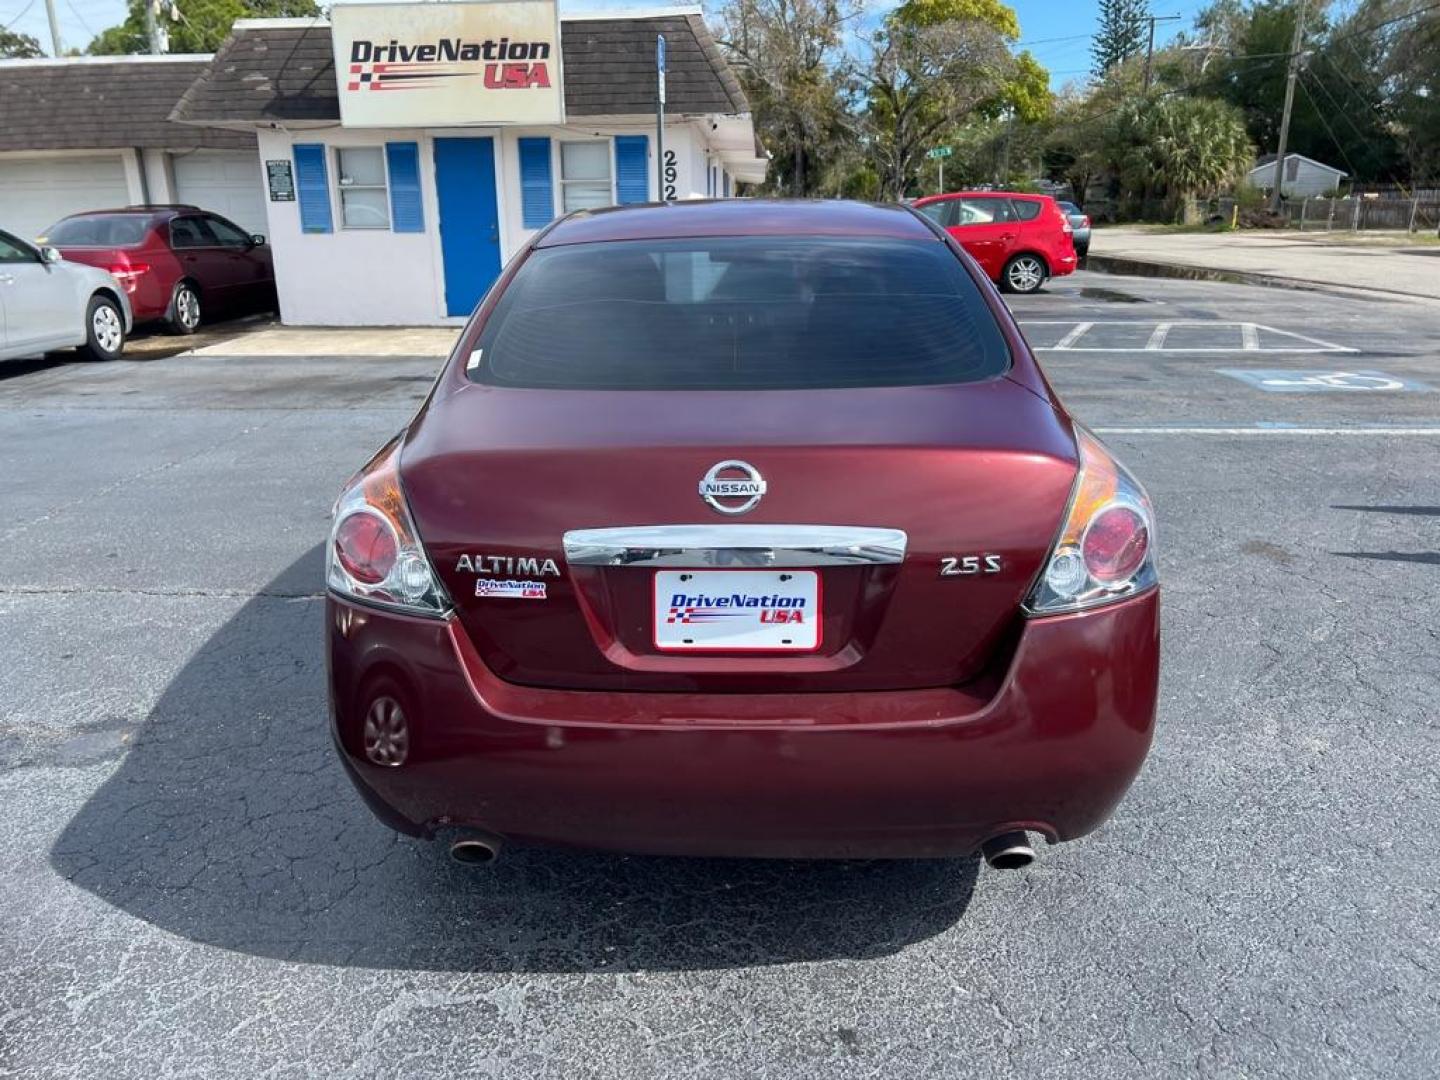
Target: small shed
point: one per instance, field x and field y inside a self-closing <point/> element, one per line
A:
<point x="1304" y="177"/>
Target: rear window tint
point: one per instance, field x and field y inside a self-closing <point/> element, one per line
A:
<point x="738" y="313"/>
<point x="1026" y="209"/>
<point x="99" y="230"/>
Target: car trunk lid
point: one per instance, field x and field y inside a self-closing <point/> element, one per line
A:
<point x="971" y="481"/>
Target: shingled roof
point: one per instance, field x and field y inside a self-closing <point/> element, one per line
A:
<point x="111" y="104"/>
<point x="284" y="71"/>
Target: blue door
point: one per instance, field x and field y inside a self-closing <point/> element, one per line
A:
<point x="469" y="220"/>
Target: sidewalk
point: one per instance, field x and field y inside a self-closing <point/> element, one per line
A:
<point x="338" y="341"/>
<point x="1289" y="258"/>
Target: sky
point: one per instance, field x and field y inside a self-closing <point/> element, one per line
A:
<point x="1056" y="31"/>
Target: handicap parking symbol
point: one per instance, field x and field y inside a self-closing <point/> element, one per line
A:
<point x="1303" y="382"/>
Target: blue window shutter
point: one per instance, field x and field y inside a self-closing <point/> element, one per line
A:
<point x="632" y="168"/>
<point x="407" y="214"/>
<point x="312" y="188"/>
<point x="537" y="189"/>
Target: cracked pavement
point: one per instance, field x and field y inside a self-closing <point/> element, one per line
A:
<point x="193" y="889"/>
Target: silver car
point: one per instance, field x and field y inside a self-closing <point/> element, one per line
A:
<point x="1080" y="223"/>
<point x="47" y="303"/>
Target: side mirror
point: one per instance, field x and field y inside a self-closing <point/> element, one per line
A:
<point x="257" y="239"/>
<point x="50" y="255"/>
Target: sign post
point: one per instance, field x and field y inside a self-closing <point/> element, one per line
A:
<point x="940" y="153"/>
<point x="660" y="118"/>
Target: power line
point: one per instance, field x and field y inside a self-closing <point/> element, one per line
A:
<point x="1388" y="22"/>
<point x="1052" y="40"/>
<point x="1326" y="124"/>
<point x="22" y="14"/>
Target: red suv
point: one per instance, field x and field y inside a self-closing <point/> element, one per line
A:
<point x="175" y="262"/>
<point x="1019" y="240"/>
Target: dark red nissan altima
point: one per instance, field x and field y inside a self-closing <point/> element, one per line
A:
<point x="744" y="528"/>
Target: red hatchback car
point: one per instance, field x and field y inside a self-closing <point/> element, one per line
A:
<point x="1019" y="240"/>
<point x="177" y="263"/>
<point x="749" y="529"/>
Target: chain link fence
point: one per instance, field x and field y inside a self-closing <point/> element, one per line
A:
<point x="1418" y="213"/>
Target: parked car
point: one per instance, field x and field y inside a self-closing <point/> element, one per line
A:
<point x="48" y="303"/>
<point x="1019" y="240"/>
<point x="1079" y="226"/>
<point x="750" y="529"/>
<point x="177" y="263"/>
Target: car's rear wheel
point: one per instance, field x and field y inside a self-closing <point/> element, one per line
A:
<point x="1023" y="274"/>
<point x="184" y="315"/>
<point x="104" y="329"/>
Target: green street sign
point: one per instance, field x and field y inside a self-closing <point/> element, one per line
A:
<point x="939" y="152"/>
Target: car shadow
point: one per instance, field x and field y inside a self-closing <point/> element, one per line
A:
<point x="230" y="822"/>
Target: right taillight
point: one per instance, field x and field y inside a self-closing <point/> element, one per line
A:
<point x="1106" y="549"/>
<point x="129" y="274"/>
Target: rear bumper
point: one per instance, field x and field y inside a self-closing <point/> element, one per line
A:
<point x="1050" y="744"/>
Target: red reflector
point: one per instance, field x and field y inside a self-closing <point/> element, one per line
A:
<point x="1115" y="544"/>
<point x="366" y="548"/>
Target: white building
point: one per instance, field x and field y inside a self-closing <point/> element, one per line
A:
<point x="87" y="133"/>
<point x="410" y="222"/>
<point x="1304" y="177"/>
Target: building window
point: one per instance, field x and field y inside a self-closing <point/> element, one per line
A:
<point x="585" y="175"/>
<point x="364" y="202"/>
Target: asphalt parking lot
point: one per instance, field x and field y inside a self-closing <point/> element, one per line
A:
<point x="193" y="889"/>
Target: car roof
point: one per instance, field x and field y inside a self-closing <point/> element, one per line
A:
<point x="155" y="210"/>
<point x="738" y="217"/>
<point x="982" y="195"/>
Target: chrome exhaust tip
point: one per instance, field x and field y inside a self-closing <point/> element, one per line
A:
<point x="473" y="852"/>
<point x="1008" y="851"/>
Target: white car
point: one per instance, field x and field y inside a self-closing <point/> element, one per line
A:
<point x="47" y="303"/>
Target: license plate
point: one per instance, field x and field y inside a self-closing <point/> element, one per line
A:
<point x="737" y="610"/>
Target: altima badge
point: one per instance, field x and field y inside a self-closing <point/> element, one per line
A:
<point x="533" y="565"/>
<point x="731" y="480"/>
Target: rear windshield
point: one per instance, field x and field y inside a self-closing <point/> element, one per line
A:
<point x="741" y="313"/>
<point x="98" y="230"/>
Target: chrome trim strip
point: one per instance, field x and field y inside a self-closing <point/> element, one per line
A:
<point x="735" y="545"/>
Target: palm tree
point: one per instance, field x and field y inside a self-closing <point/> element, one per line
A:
<point x="1179" y="147"/>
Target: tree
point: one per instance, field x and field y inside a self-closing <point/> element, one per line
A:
<point x="1396" y="44"/>
<point x="1342" y="107"/>
<point x="786" y="54"/>
<point x="1175" y="147"/>
<point x="198" y="26"/>
<point x="933" y="65"/>
<point x="1121" y="33"/>
<point x="17" y="46"/>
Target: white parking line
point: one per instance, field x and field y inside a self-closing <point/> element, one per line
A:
<point x="1074" y="335"/>
<point x="1425" y="431"/>
<point x="1247" y="333"/>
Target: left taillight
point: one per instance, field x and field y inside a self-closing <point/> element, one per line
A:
<point x="129" y="274"/>
<point x="1106" y="548"/>
<point x="375" y="553"/>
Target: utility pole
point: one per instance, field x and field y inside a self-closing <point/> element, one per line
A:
<point x="660" y="118"/>
<point x="1295" y="42"/>
<point x="152" y="27"/>
<point x="54" y="28"/>
<point x="1150" y="44"/>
